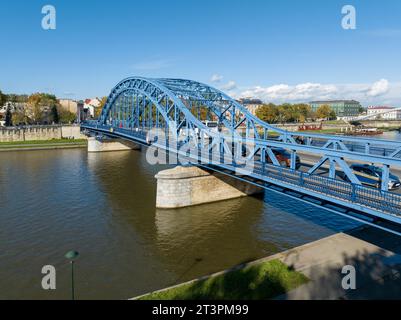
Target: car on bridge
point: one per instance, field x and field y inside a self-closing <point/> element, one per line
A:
<point x="371" y="175"/>
<point x="284" y="158"/>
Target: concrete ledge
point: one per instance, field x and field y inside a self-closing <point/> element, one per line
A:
<point x="190" y="186"/>
<point x="95" y="145"/>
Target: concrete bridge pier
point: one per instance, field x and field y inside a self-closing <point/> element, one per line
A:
<point x="95" y="145"/>
<point x="189" y="186"/>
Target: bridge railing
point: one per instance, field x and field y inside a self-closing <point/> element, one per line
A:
<point x="368" y="197"/>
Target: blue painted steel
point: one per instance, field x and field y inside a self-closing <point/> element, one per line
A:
<point x="181" y="107"/>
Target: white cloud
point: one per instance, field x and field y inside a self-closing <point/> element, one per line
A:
<point x="378" y="88"/>
<point x="380" y="92"/>
<point x="285" y="92"/>
<point x="231" y="85"/>
<point x="216" y="78"/>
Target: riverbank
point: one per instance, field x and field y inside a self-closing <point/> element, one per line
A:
<point x="310" y="271"/>
<point x="261" y="281"/>
<point x="43" y="144"/>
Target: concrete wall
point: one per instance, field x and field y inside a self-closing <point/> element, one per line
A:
<point x="95" y="145"/>
<point x="72" y="132"/>
<point x="189" y="186"/>
<point x="40" y="133"/>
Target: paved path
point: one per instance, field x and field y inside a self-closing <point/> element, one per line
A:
<point x="374" y="254"/>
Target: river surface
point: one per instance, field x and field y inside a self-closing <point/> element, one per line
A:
<point x="103" y="205"/>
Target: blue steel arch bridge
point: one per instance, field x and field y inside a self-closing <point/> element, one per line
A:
<point x="140" y="109"/>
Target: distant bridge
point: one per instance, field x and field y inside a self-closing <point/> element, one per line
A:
<point x="137" y="106"/>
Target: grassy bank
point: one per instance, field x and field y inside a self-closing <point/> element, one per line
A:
<point x="258" y="282"/>
<point x="42" y="144"/>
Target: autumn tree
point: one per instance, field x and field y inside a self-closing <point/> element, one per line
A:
<point x="20" y="118"/>
<point x="99" y="109"/>
<point x="324" y="112"/>
<point x="39" y="105"/>
<point x="268" y="112"/>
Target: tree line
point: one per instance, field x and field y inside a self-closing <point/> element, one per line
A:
<point x="38" y="108"/>
<point x="287" y="112"/>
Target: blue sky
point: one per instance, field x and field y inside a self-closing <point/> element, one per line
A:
<point x="283" y="50"/>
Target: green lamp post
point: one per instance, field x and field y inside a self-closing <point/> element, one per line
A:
<point x="72" y="255"/>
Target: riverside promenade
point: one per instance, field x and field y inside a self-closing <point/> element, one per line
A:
<point x="375" y="255"/>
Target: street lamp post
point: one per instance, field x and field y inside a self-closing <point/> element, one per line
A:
<point x="72" y="255"/>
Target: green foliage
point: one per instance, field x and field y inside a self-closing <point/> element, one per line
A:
<point x="66" y="116"/>
<point x="54" y="114"/>
<point x="257" y="282"/>
<point x="3" y="99"/>
<point x="21" y="98"/>
<point x="286" y="112"/>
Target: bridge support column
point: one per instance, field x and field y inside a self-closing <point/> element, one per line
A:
<point x="95" y="145"/>
<point x="189" y="186"/>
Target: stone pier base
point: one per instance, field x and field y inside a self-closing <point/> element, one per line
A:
<point x="95" y="145"/>
<point x="189" y="186"/>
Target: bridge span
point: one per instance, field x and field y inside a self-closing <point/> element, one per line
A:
<point x="172" y="114"/>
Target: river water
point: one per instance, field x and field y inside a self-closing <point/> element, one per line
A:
<point x="103" y="205"/>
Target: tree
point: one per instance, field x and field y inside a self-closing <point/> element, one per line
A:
<point x="54" y="114"/>
<point x="66" y="116"/>
<point x="3" y="99"/>
<point x="268" y="113"/>
<point x="99" y="109"/>
<point x="324" y="111"/>
<point x="304" y="111"/>
<point x="20" y="118"/>
<point x="8" y="120"/>
<point x="39" y="105"/>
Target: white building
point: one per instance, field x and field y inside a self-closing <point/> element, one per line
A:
<point x="384" y="112"/>
<point x="90" y="105"/>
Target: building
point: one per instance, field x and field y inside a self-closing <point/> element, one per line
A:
<point x="384" y="112"/>
<point x="82" y="113"/>
<point x="251" y="104"/>
<point x="14" y="107"/>
<point x="69" y="105"/>
<point x="342" y="108"/>
<point x="91" y="105"/>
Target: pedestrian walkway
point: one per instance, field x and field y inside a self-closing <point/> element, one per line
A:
<point x="374" y="254"/>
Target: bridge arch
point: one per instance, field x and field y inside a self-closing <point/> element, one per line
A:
<point x="180" y="101"/>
